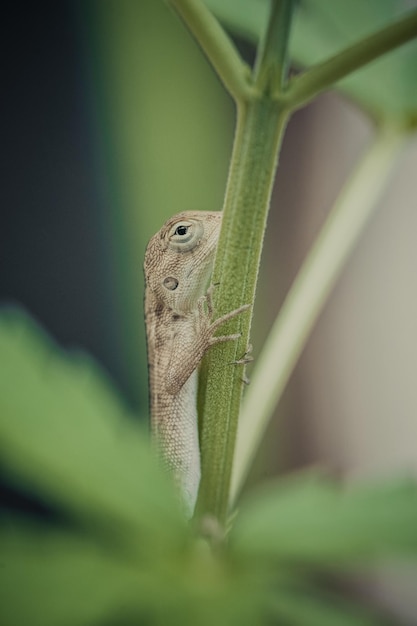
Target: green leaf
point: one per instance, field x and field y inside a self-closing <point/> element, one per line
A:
<point x="65" y="433"/>
<point x="322" y="28"/>
<point x="312" y="520"/>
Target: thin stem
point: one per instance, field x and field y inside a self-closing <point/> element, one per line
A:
<point x="219" y="48"/>
<point x="308" y="295"/>
<point x="271" y="60"/>
<point x="307" y="85"/>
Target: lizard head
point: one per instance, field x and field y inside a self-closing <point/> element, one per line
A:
<point x="179" y="258"/>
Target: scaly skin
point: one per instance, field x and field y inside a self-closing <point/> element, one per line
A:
<point x="178" y="265"/>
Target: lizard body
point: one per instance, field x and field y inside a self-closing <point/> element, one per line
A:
<point x="178" y="264"/>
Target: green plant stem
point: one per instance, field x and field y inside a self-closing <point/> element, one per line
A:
<point x="270" y="71"/>
<point x="306" y="86"/>
<point x="219" y="48"/>
<point x="259" y="133"/>
<point x="308" y="294"/>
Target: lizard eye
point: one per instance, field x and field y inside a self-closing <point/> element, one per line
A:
<point x="185" y="235"/>
<point x="181" y="230"/>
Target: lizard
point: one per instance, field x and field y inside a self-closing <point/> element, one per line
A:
<point x="179" y="330"/>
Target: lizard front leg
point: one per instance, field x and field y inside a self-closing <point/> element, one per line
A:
<point x="195" y="335"/>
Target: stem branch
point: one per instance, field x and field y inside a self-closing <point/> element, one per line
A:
<point x="219" y="48"/>
<point x="310" y="83"/>
<point x="271" y="59"/>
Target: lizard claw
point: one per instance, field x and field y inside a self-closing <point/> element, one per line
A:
<point x="246" y="358"/>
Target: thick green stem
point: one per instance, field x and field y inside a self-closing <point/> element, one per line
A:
<point x="309" y="292"/>
<point x="259" y="133"/>
<point x="310" y="83"/>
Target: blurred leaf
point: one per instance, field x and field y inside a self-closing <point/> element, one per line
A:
<point x="312" y="520"/>
<point x="49" y="579"/>
<point x="53" y="578"/>
<point x="65" y="432"/>
<point x="323" y="28"/>
<point x="308" y="607"/>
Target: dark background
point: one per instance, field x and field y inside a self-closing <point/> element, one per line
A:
<point x="53" y="250"/>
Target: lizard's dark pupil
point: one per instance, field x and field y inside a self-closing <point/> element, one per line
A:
<point x="181" y="230"/>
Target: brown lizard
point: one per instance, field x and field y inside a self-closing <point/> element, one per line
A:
<point x="180" y="329"/>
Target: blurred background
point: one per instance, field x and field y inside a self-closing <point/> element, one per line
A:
<point x="113" y="121"/>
